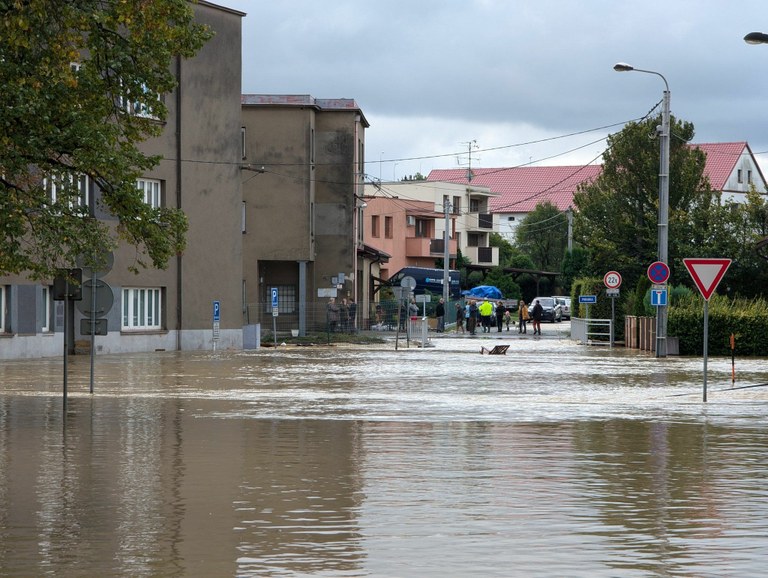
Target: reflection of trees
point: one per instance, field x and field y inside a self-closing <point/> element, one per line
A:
<point x="658" y="486"/>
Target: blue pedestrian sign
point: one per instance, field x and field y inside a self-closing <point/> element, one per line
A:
<point x="588" y="299"/>
<point x="217" y="310"/>
<point x="659" y="297"/>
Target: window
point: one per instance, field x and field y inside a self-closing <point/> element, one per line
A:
<point x="3" y="305"/>
<point x="510" y="218"/>
<point x="68" y="185"/>
<point x="242" y="143"/>
<point x="375" y="226"/>
<point x="749" y="176"/>
<point x="46" y="310"/>
<point x="141" y="308"/>
<point x="422" y="228"/>
<point x="474" y="205"/>
<point x="286" y="298"/>
<point x="242" y="219"/>
<point x="456" y="205"/>
<point x="140" y="106"/>
<point x="152" y="192"/>
<point x="388" y="227"/>
<point x="739" y="176"/>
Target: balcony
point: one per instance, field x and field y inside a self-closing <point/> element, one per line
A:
<point x="425" y="247"/>
<point x="483" y="255"/>
<point x="479" y="221"/>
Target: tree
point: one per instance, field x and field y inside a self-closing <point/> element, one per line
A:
<point x="617" y="216"/>
<point x="82" y="88"/>
<point x="543" y="235"/>
<point x="506" y="250"/>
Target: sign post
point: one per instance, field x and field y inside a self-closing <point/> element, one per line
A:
<point x="658" y="274"/>
<point x="707" y="274"/>
<point x="216" y="322"/>
<point x="275" y="311"/>
<point x="612" y="281"/>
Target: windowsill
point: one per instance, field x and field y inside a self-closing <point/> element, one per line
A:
<point x="143" y="331"/>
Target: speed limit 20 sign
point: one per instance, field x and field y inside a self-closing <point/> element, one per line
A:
<point x="612" y="280"/>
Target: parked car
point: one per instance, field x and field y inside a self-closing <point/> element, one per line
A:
<point x="553" y="311"/>
<point x="565" y="305"/>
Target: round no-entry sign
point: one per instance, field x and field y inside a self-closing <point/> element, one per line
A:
<point x="612" y="280"/>
<point x="658" y="272"/>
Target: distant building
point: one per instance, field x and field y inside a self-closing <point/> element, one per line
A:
<point x="407" y="220"/>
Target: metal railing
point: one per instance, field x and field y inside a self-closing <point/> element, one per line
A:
<point x="592" y="331"/>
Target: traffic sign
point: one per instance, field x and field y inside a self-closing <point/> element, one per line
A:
<point x="274" y="298"/>
<point x="588" y="299"/>
<point x="658" y="272"/>
<point x="707" y="273"/>
<point x="216" y="311"/>
<point x="612" y="280"/>
<point x="612" y="292"/>
<point x="659" y="296"/>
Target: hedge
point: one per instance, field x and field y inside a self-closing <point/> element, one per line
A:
<point x="746" y="319"/>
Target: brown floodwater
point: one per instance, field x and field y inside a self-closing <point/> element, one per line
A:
<point x="553" y="460"/>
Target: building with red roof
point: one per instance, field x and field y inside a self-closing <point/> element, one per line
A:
<point x="731" y="168"/>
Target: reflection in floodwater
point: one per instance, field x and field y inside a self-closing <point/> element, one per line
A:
<point x="553" y="460"/>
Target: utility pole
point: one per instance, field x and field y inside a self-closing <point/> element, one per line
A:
<point x="569" y="213"/>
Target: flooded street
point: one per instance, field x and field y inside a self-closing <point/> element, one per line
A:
<point x="553" y="460"/>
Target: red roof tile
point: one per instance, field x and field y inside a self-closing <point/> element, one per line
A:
<point x="522" y="188"/>
<point x="721" y="161"/>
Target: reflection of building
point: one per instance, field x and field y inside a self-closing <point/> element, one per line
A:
<point x="407" y="220"/>
<point x="200" y="173"/>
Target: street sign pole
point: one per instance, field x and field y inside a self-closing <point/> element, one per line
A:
<point x="706" y="346"/>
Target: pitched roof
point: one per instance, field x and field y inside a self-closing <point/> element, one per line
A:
<point x="522" y="188"/>
<point x="722" y="158"/>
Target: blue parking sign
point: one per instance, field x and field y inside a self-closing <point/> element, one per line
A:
<point x="217" y="310"/>
<point x="274" y="297"/>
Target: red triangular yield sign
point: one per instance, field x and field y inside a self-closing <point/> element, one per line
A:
<point x="707" y="273"/>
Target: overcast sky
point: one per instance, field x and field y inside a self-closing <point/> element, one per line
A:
<point x="432" y="76"/>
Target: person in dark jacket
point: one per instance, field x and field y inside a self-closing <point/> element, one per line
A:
<point x="500" y="310"/>
<point x="536" y="312"/>
<point x="440" y="314"/>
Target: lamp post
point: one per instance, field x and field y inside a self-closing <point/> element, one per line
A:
<point x="661" y="311"/>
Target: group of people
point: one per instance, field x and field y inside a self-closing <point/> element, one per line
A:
<point x="471" y="315"/>
<point x="342" y="316"/>
<point x="533" y="315"/>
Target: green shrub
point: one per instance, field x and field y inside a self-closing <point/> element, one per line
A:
<point x="746" y="319"/>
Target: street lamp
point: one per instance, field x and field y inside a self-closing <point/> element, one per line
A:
<point x="661" y="311"/>
<point x="756" y="38"/>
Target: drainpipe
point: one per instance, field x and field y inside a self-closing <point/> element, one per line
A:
<point x="179" y="276"/>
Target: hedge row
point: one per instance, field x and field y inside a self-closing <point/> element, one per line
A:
<point x="746" y="320"/>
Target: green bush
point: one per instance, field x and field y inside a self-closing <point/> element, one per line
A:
<point x="746" y="319"/>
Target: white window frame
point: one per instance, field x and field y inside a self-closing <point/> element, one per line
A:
<point x="55" y="183"/>
<point x="152" y="190"/>
<point x="142" y="308"/>
<point x="47" y="309"/>
<point x="138" y="108"/>
<point x="3" y="306"/>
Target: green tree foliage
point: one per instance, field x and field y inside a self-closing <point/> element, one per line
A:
<point x="506" y="250"/>
<point x="82" y="86"/>
<point x="617" y="217"/>
<point x="503" y="281"/>
<point x="575" y="264"/>
<point x="543" y="235"/>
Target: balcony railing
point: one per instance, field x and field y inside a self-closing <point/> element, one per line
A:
<point x="483" y="255"/>
<point x="424" y="247"/>
<point x="479" y="221"/>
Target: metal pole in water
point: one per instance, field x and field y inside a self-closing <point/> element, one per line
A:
<point x="706" y="342"/>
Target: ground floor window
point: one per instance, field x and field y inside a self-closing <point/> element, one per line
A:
<point x="142" y="308"/>
<point x="3" y="307"/>
<point x="46" y="310"/>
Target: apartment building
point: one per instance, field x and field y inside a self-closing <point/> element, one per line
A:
<point x="200" y="172"/>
